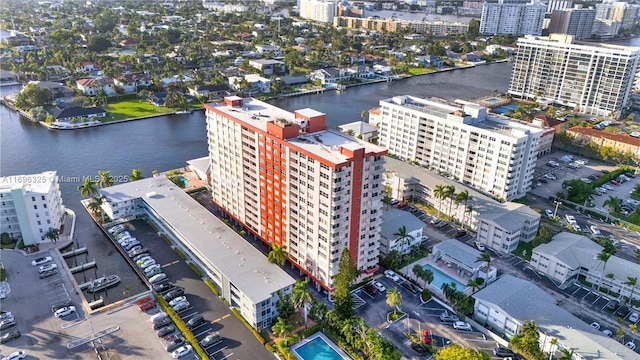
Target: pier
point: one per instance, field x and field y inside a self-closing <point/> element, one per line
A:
<point x="75" y="252"/>
<point x="83" y="267"/>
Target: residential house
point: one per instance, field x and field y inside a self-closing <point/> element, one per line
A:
<point x="382" y="69"/>
<point x="361" y="130"/>
<point x="429" y="60"/>
<point x="77" y="114"/>
<point x="268" y="67"/>
<point x="180" y="79"/>
<point x="274" y="50"/>
<point x="500" y="226"/>
<point x="294" y="80"/>
<point x="471" y="57"/>
<point x="572" y="257"/>
<point x="91" y="87"/>
<point x="361" y="72"/>
<point x="216" y="91"/>
<point x="303" y="48"/>
<point x="124" y="66"/>
<point x="392" y="220"/>
<point x="131" y="82"/>
<point x="128" y="43"/>
<point x="330" y="75"/>
<point x="57" y="89"/>
<point x="463" y="259"/>
<point x="257" y="84"/>
<point x="505" y="305"/>
<point x="619" y="142"/>
<point x="88" y="67"/>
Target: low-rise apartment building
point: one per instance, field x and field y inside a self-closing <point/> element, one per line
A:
<point x="500" y="226"/>
<point x="623" y="143"/>
<point x="241" y="272"/>
<point x="392" y="220"/>
<point x="437" y="28"/>
<point x="30" y="206"/>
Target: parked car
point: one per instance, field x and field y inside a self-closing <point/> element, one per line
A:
<point x="607" y="332"/>
<point x="152" y="273"/>
<point x="460" y="234"/>
<point x="420" y="348"/>
<point x="179" y="299"/>
<point x="182" y="351"/>
<point x="550" y="176"/>
<point x="162" y="323"/>
<point x="595" y="231"/>
<point x="174" y="293"/>
<point x="10" y="335"/>
<point x="15" y="355"/>
<point x="480" y="246"/>
<point x="634" y="317"/>
<point x="141" y="257"/>
<point x="441" y="224"/>
<point x="158" y="278"/>
<point x="426" y="336"/>
<point x="152" y="267"/>
<point x="379" y="286"/>
<point x="211" y="340"/>
<point x="159" y="316"/>
<point x="47" y="267"/>
<point x="570" y="219"/>
<point x="172" y="345"/>
<point x="135" y="252"/>
<point x="461" y="325"/>
<point x="630" y="345"/>
<point x="147" y="263"/>
<point x="181" y="306"/>
<point x="502" y="351"/>
<point x="47" y="274"/>
<point x="41" y="261"/>
<point x="164" y="287"/>
<point x="622" y="311"/>
<point x="447" y="317"/>
<point x="147" y="306"/>
<point x="370" y="289"/>
<point x="116" y="229"/>
<point x="162" y="332"/>
<point x="392" y="275"/>
<point x="5" y="324"/>
<point x="60" y="305"/>
<point x="549" y="213"/>
<point x="595" y="325"/>
<point x="65" y="311"/>
<point x="195" y="322"/>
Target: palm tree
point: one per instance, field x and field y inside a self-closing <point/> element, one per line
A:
<point x="277" y="254"/>
<point x="126" y="290"/>
<point x="52" y="234"/>
<point x="386" y="200"/>
<point x="565" y="354"/>
<point x="485" y="257"/>
<point x="281" y="328"/>
<point x="463" y="197"/>
<point x="470" y="211"/>
<point x="136" y="174"/>
<point x="105" y="179"/>
<point x="394" y="298"/>
<point x="403" y="237"/>
<point x="427" y="276"/>
<point x="450" y="193"/>
<point x="88" y="188"/>
<point x="604" y="257"/>
<point x="614" y="204"/>
<point x="300" y="297"/>
<point x="631" y="281"/>
<point x="553" y="342"/>
<point x="438" y="193"/>
<point x="474" y="284"/>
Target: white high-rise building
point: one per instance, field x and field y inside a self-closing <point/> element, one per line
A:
<point x="594" y="78"/>
<point x="292" y="182"/>
<point x="553" y="5"/>
<point x="512" y="17"/>
<point x="318" y="10"/>
<point x="624" y="13"/>
<point x="490" y="153"/>
<point x="30" y="205"/>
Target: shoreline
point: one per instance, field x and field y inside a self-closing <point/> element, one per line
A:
<point x="390" y="78"/>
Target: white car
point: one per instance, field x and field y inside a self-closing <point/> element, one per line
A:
<point x="549" y="213"/>
<point x="550" y="176"/>
<point x="177" y="300"/>
<point x="461" y="325"/>
<point x="570" y="219"/>
<point x="41" y="261"/>
<point x="392" y="275"/>
<point x="607" y="332"/>
<point x="48" y="267"/>
<point x="15" y="355"/>
<point x="152" y="268"/>
<point x="379" y="286"/>
<point x="116" y="229"/>
<point x="595" y="325"/>
<point x="480" y="246"/>
<point x="630" y="345"/>
<point x="67" y="310"/>
<point x="182" y="351"/>
<point x="147" y="263"/>
<point x="577" y="228"/>
<point x="142" y="260"/>
<point x="181" y="306"/>
<point x="634" y="317"/>
<point x="158" y="278"/>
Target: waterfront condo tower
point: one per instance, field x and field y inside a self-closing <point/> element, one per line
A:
<point x="513" y="17"/>
<point x="31" y="205"/>
<point x="491" y="153"/>
<point x="291" y="182"/>
<point x="593" y="78"/>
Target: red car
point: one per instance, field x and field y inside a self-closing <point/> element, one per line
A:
<point x="143" y="300"/>
<point x="426" y="336"/>
<point x="147" y="306"/>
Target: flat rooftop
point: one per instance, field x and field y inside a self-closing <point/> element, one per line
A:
<point x="325" y="144"/>
<point x="37" y="183"/>
<point x="207" y="236"/>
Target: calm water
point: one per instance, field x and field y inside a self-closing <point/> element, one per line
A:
<point x="168" y="142"/>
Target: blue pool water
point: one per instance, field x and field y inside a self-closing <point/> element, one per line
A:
<point x="440" y="278"/>
<point x="317" y="349"/>
<point x="504" y="109"/>
<point x="184" y="180"/>
<point x="492" y="100"/>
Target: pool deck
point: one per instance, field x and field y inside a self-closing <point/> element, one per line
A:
<point x="440" y="265"/>
<point x="328" y="341"/>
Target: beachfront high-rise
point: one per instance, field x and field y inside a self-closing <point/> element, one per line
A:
<point x="292" y="182"/>
<point x="31" y="205"/>
<point x="594" y="78"/>
<point x="512" y="17"/>
<point x="493" y="154"/>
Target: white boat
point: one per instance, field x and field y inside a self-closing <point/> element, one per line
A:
<point x="182" y="112"/>
<point x="103" y="283"/>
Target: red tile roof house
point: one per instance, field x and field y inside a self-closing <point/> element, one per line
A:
<point x="131" y="82"/>
<point x="88" y="67"/>
<point x="92" y="86"/>
<point x="128" y="43"/>
<point x="619" y="142"/>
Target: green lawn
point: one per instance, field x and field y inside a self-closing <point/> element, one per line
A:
<point x="522" y="247"/>
<point x="419" y="71"/>
<point x="131" y="109"/>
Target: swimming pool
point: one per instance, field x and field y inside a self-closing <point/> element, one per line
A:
<point x="184" y="180"/>
<point x="492" y="100"/>
<point x="440" y="278"/>
<point x="504" y="109"/>
<point x="318" y="347"/>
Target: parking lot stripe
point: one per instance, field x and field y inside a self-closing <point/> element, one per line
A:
<point x="217" y="351"/>
<point x="221" y="318"/>
<point x="171" y="263"/>
<point x="226" y="356"/>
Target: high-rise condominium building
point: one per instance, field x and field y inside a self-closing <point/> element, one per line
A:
<point x="292" y="182"/>
<point x="318" y="10"/>
<point x="31" y="205"/>
<point x="594" y="78"/>
<point x="576" y="22"/>
<point x="553" y="5"/>
<point x="515" y="17"/>
<point x="618" y="11"/>
<point x="490" y="153"/>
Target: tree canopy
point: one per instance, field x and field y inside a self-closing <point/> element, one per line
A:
<point x="457" y="352"/>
